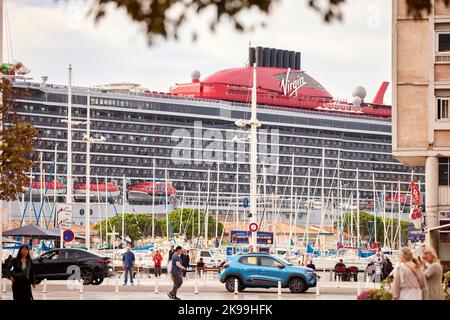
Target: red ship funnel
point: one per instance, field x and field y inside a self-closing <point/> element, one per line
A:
<point x="379" y="98"/>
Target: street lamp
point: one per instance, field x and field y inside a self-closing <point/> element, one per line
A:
<point x="253" y="140"/>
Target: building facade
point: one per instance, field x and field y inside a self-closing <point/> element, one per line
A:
<point x="421" y="108"/>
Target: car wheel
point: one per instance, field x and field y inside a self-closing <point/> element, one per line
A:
<point x="230" y="283"/>
<point x="87" y="276"/>
<point x="297" y="285"/>
<point x="97" y="281"/>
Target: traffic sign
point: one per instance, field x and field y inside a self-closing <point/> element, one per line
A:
<point x="246" y="203"/>
<point x="68" y="236"/>
<point x="64" y="214"/>
<point x="253" y="227"/>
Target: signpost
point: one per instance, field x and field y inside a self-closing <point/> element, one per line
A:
<point x="68" y="236"/>
<point x="253" y="227"/>
<point x="64" y="218"/>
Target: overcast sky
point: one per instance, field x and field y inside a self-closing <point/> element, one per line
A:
<point x="47" y="35"/>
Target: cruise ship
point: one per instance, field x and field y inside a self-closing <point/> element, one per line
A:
<point x="311" y="146"/>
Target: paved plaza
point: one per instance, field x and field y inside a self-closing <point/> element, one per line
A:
<point x="210" y="289"/>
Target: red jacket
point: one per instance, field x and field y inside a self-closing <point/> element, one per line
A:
<point x="157" y="258"/>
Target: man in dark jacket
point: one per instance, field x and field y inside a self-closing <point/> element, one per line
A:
<point x="185" y="261"/>
<point x="311" y="265"/>
<point x="176" y="273"/>
<point x="387" y="268"/>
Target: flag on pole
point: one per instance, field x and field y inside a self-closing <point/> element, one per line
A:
<point x="415" y="193"/>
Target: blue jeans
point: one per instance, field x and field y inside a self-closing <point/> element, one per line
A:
<point x="128" y="270"/>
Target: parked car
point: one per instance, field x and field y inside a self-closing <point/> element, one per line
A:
<point x="60" y="264"/>
<point x="255" y="270"/>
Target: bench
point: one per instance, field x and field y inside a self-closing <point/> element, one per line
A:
<point x="206" y="270"/>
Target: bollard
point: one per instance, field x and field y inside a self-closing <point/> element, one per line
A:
<point x="359" y="289"/>
<point x="279" y="288"/>
<point x="44" y="286"/>
<point x="236" y="283"/>
<point x="81" y="287"/>
<point x="195" y="286"/>
<point x="367" y="282"/>
<point x="337" y="281"/>
<point x="156" y="285"/>
<point x="137" y="276"/>
<point x="318" y="289"/>
<point x="116" y="284"/>
<point x="331" y="275"/>
<point x="3" y="286"/>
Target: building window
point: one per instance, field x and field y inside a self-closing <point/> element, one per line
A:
<point x="443" y="109"/>
<point x="444" y="171"/>
<point x="443" y="43"/>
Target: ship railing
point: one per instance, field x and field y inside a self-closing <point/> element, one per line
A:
<point x="163" y="95"/>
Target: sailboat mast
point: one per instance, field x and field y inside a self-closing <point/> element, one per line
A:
<point x="207" y="209"/>
<point x="236" y="216"/>
<point x="153" y="199"/>
<point x="124" y="187"/>
<point x="308" y="203"/>
<point x="167" y="205"/>
<point x="292" y="203"/>
<point x="358" y="231"/>
<point x="374" y="208"/>
<point x="55" y="179"/>
<point x="217" y="199"/>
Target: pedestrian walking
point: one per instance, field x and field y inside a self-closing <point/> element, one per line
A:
<point x="433" y="274"/>
<point x="21" y="273"/>
<point x="185" y="262"/>
<point x="409" y="280"/>
<point x="157" y="258"/>
<point x="176" y="273"/>
<point x="128" y="260"/>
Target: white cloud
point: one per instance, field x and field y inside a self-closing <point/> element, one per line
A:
<point x="48" y="36"/>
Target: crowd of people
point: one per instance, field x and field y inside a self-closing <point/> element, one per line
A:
<point x="413" y="278"/>
<point x="418" y="278"/>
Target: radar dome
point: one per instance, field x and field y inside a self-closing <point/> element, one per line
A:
<point x="357" y="101"/>
<point x="195" y="76"/>
<point x="360" y="92"/>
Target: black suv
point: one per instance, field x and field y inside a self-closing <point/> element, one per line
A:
<point x="60" y="264"/>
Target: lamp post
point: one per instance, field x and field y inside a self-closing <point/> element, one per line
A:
<point x="253" y="140"/>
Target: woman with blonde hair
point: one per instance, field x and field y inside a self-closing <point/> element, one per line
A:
<point x="409" y="279"/>
<point x="433" y="274"/>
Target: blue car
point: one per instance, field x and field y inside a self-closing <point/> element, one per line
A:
<point x="256" y="270"/>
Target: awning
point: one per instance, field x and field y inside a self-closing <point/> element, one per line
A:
<point x="440" y="228"/>
<point x="31" y="231"/>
